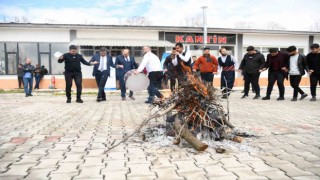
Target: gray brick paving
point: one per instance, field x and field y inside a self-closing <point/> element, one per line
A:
<point x="42" y="137"/>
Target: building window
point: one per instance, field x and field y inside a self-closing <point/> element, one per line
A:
<point x="12" y="63"/>
<point x="2" y="60"/>
<point x="57" y="68"/>
<point x="87" y="51"/>
<point x="137" y="51"/>
<point x="28" y="50"/>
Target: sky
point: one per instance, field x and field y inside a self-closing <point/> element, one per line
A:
<point x="299" y="15"/>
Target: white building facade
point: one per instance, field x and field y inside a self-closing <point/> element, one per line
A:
<point x="40" y="41"/>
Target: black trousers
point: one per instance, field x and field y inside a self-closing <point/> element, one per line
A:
<point x="252" y="78"/>
<point x="294" y="82"/>
<point x="272" y="78"/>
<point x="155" y="79"/>
<point x="101" y="80"/>
<point x="77" y="77"/>
<point x="227" y="81"/>
<point x="20" y="81"/>
<point x="171" y="75"/>
<point x="314" y="79"/>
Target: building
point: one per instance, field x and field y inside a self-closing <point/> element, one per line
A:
<point x="41" y="41"/>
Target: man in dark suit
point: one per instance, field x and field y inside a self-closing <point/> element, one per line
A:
<point x="101" y="71"/>
<point x="125" y="63"/>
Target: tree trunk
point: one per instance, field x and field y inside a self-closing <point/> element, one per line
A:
<point x="188" y="136"/>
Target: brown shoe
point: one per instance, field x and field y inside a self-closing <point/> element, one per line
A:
<point x="131" y="97"/>
<point x="124" y="98"/>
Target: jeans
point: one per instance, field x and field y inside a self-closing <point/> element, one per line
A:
<point x="27" y="84"/>
<point x="252" y="78"/>
<point x="123" y="87"/>
<point x="272" y="78"/>
<point x="77" y="77"/>
<point x="155" y="79"/>
<point x="101" y="80"/>
<point x="37" y="78"/>
<point x="314" y="79"/>
<point x="294" y="82"/>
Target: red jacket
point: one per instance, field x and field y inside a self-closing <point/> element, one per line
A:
<point x="211" y="66"/>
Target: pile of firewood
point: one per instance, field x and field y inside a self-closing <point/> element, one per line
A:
<point x="194" y="109"/>
<point x="192" y="112"/>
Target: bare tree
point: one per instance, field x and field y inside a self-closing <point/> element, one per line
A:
<point x="315" y="26"/>
<point x="275" y="26"/>
<point x="243" y="25"/>
<point x="138" y="21"/>
<point x="194" y="21"/>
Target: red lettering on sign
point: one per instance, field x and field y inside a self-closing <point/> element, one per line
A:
<point x="209" y="39"/>
<point x="214" y="39"/>
<point x="198" y="39"/>
<point x="189" y="39"/>
<point x="179" y="39"/>
<point x="222" y="40"/>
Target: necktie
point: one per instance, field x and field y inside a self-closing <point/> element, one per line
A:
<point x="126" y="59"/>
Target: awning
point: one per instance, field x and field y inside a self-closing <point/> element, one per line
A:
<point x="121" y="42"/>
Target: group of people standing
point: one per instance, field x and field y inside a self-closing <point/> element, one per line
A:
<point x="291" y="65"/>
<point x="207" y="64"/>
<point x="280" y="66"/>
<point x="26" y="73"/>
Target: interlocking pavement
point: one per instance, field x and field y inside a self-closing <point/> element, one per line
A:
<point x="42" y="137"/>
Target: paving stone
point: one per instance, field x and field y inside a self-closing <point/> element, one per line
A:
<point x="114" y="175"/>
<point x="4" y="165"/>
<point x="37" y="174"/>
<point x="115" y="165"/>
<point x="245" y="173"/>
<point x="187" y="166"/>
<point x="162" y="162"/>
<point x="192" y="174"/>
<point x="217" y="171"/>
<point x="12" y="157"/>
<point x="292" y="171"/>
<point x="274" y="175"/>
<point x="46" y="164"/>
<point x="67" y="168"/>
<point x="314" y="170"/>
<point x="306" y="177"/>
<point x="29" y="159"/>
<point x="73" y="158"/>
<point x="139" y="170"/>
<point x="166" y="173"/>
<point x="89" y="172"/>
<point x="231" y="162"/>
<point x="18" y="170"/>
<point x="64" y="176"/>
<point x="91" y="161"/>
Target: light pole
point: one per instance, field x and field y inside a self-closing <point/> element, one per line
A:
<point x="204" y="8"/>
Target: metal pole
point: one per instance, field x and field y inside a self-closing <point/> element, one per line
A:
<point x="204" y="25"/>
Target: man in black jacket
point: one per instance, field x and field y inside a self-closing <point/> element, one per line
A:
<point x="313" y="59"/>
<point x="170" y="70"/>
<point x="296" y="64"/>
<point x="73" y="71"/>
<point x="277" y="62"/>
<point x="252" y="65"/>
